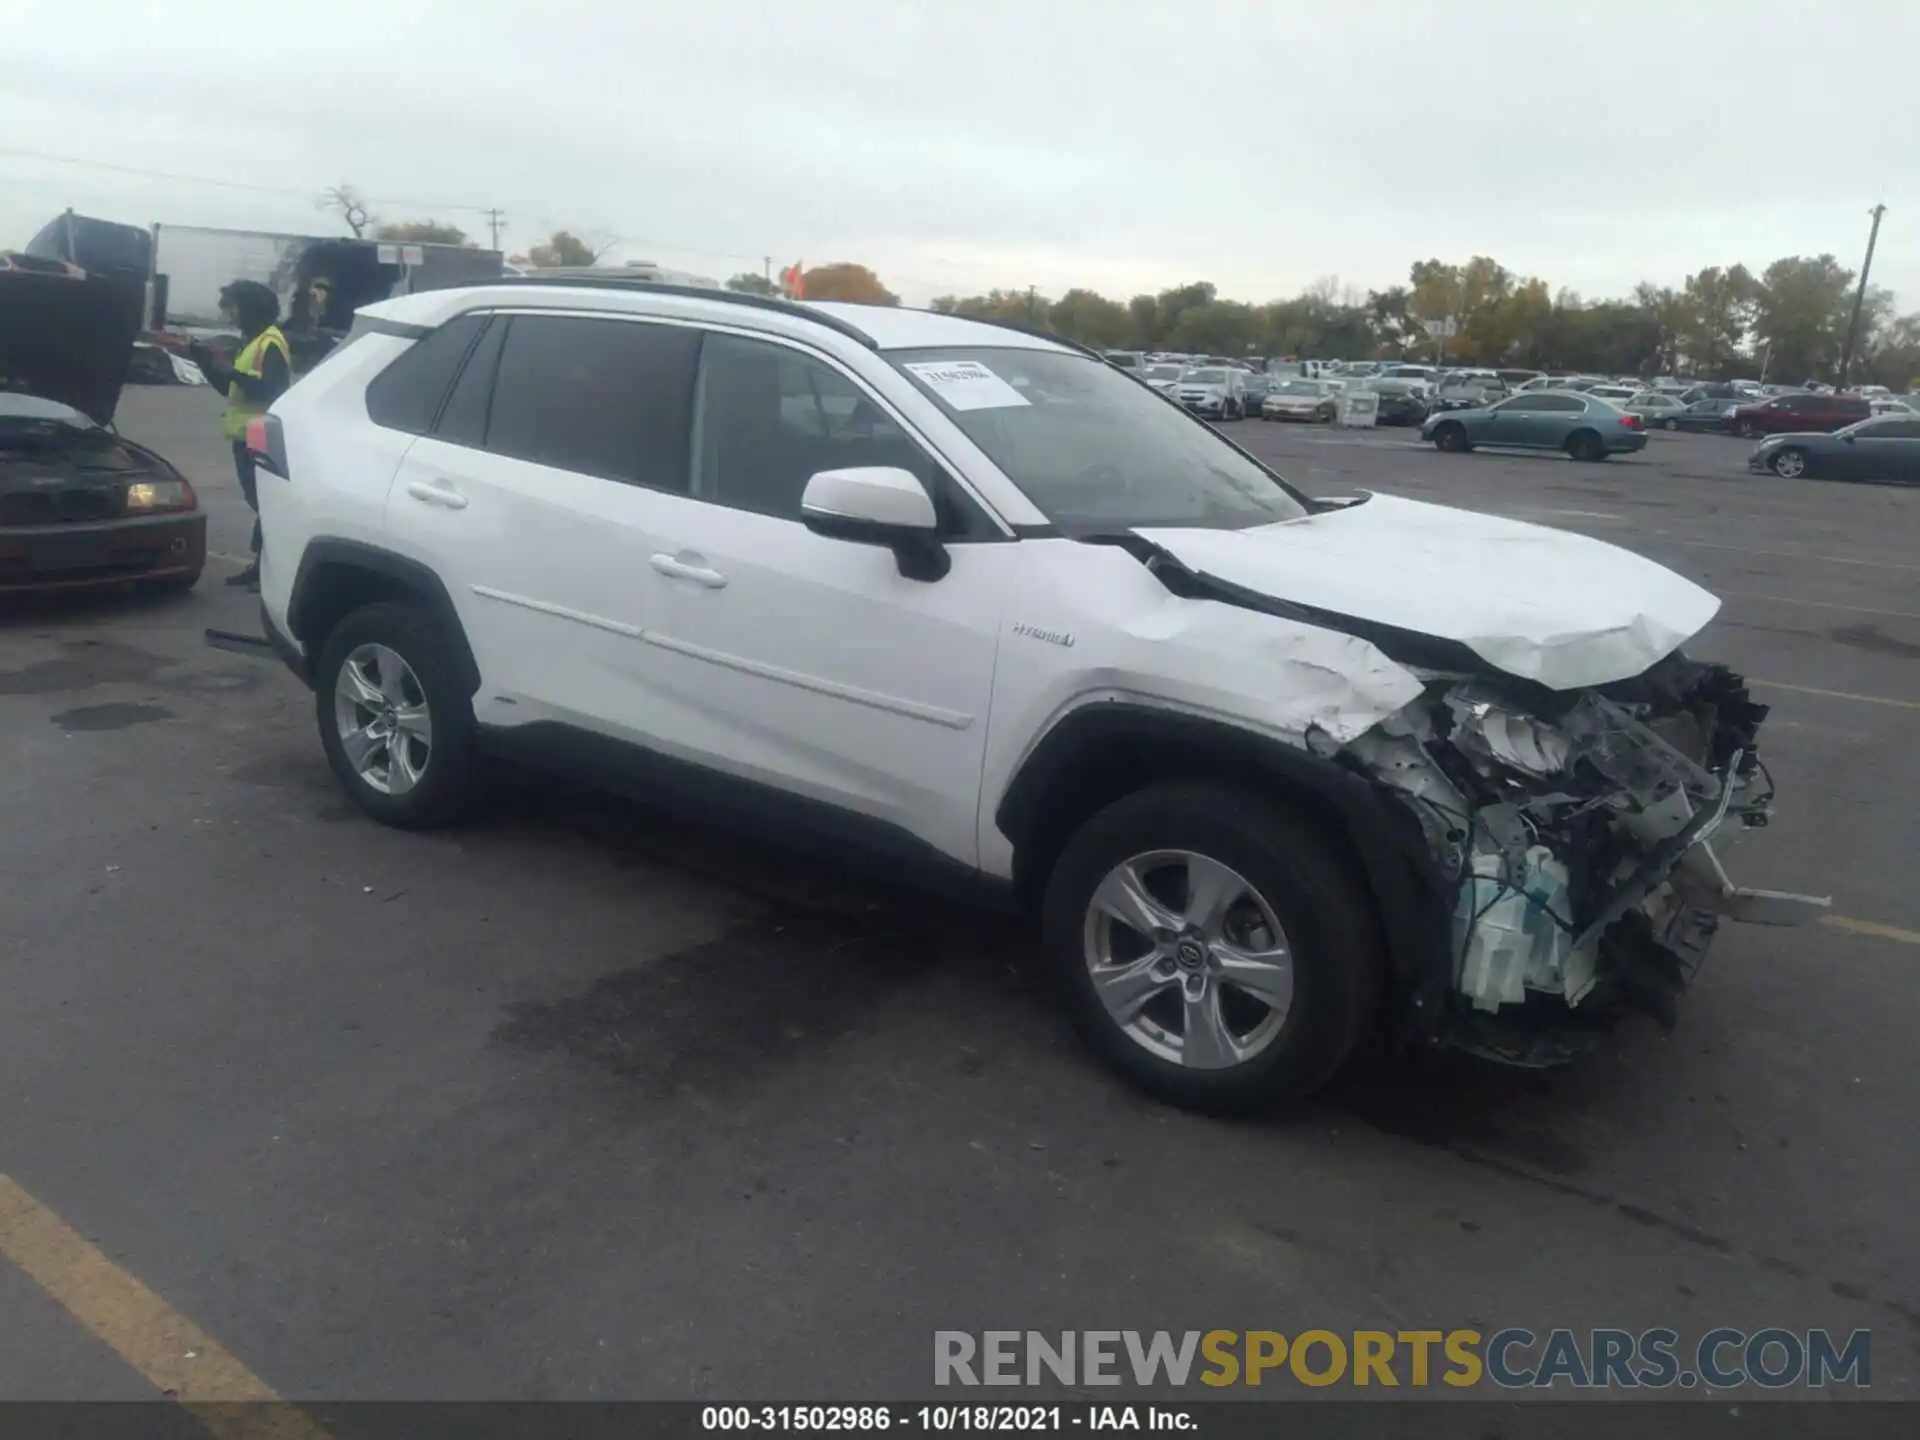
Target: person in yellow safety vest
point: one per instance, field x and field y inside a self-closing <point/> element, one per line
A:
<point x="259" y="375"/>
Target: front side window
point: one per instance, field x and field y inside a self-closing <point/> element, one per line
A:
<point x="598" y="397"/>
<point x="768" y="418"/>
<point x="1090" y="448"/>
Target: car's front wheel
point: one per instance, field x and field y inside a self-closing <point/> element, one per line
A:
<point x="1670" y="424"/>
<point x="1452" y="437"/>
<point x="397" y="729"/>
<point x="1750" y="431"/>
<point x="1212" y="949"/>
<point x="1789" y="464"/>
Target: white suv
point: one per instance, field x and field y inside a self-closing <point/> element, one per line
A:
<point x="975" y="606"/>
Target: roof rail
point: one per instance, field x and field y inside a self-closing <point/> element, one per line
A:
<point x="696" y="292"/>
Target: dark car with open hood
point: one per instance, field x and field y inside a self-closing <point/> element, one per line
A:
<point x="81" y="506"/>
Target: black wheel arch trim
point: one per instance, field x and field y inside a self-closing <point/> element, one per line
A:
<point x="1411" y="896"/>
<point x="326" y="553"/>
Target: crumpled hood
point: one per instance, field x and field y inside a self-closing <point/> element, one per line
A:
<point x="1565" y="610"/>
<point x="65" y="335"/>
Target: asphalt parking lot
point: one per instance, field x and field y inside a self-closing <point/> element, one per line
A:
<point x="580" y="1104"/>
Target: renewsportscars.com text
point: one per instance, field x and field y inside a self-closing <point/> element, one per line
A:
<point x="1513" y="1358"/>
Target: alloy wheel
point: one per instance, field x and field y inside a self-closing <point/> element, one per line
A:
<point x="1188" y="959"/>
<point x="386" y="728"/>
<point x="1790" y="464"/>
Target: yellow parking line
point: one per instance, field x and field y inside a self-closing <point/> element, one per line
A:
<point x="175" y="1356"/>
<point x="1836" y="694"/>
<point x="1871" y="927"/>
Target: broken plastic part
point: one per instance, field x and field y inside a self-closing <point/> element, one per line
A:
<point x="1483" y="726"/>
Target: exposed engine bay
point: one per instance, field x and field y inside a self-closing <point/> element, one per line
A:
<point x="1581" y="834"/>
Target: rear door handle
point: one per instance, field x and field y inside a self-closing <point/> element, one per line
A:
<point x="691" y="568"/>
<point x="437" y="492"/>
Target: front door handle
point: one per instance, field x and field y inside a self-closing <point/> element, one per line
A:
<point x="692" y="568"/>
<point x="437" y="492"/>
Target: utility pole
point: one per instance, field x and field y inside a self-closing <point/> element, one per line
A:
<point x="1859" y="296"/>
<point x="495" y="222"/>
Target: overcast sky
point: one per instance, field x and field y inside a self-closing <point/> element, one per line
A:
<point x="1120" y="144"/>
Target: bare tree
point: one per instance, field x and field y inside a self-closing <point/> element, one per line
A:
<point x="353" y="209"/>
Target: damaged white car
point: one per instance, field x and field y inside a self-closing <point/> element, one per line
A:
<point x="972" y="605"/>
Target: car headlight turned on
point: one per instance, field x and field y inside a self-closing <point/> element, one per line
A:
<point x="154" y="497"/>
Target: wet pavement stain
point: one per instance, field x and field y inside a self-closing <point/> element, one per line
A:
<point x="109" y="717"/>
<point x="1869" y="639"/>
<point x="718" y="1014"/>
<point x="81" y="665"/>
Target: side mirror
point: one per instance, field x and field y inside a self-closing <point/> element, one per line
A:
<point x="878" y="505"/>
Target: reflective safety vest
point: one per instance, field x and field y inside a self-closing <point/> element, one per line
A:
<point x="251" y="362"/>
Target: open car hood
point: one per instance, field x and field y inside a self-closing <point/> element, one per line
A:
<point x="1564" y="610"/>
<point x="65" y="335"/>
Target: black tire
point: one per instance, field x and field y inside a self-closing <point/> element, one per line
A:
<point x="1586" y="446"/>
<point x="1751" y="431"/>
<point x="1337" y="957"/>
<point x="1789" y="463"/>
<point x="450" y="783"/>
<point x="1452" y="438"/>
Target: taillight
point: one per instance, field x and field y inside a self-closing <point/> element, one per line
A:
<point x="1632" y="422"/>
<point x="267" y="445"/>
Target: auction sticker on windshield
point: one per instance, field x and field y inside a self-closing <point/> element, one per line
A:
<point x="966" y="384"/>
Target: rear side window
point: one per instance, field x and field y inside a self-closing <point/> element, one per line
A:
<point x="407" y="394"/>
<point x="463" y="419"/>
<point x="598" y="397"/>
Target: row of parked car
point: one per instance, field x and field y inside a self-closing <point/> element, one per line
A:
<point x="1868" y="434"/>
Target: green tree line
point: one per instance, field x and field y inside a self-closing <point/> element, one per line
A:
<point x="1722" y="322"/>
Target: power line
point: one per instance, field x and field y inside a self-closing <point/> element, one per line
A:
<point x="51" y="158"/>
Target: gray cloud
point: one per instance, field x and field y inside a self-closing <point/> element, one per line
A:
<point x="1126" y="145"/>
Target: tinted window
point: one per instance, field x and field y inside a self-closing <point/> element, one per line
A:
<point x="463" y="419"/>
<point x="407" y="394"/>
<point x="1560" y="403"/>
<point x="1889" y="429"/>
<point x="770" y="418"/>
<point x="598" y="397"/>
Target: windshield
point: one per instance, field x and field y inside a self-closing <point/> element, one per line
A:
<point x="1206" y="377"/>
<point x="1297" y="387"/>
<point x="1125" y="361"/>
<point x="1090" y="447"/>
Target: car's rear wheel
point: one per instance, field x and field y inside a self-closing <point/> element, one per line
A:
<point x="1586" y="445"/>
<point x="1452" y="438"/>
<point x="1789" y="464"/>
<point x="1212" y="948"/>
<point x="397" y="729"/>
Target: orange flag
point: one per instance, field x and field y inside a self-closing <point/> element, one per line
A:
<point x="792" y="280"/>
